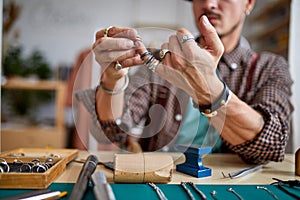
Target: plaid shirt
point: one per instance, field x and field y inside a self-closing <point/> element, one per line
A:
<point x="269" y="94"/>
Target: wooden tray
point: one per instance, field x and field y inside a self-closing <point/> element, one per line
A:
<point x="33" y="180"/>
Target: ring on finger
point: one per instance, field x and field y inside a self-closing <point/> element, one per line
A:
<point x="105" y="34"/>
<point x="163" y="53"/>
<point x="153" y="66"/>
<point x="187" y="37"/>
<point x="145" y="54"/>
<point x="118" y="66"/>
<point x="138" y="38"/>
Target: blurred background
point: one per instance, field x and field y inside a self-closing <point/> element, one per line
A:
<point x="44" y="43"/>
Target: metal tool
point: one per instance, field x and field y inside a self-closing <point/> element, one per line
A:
<point x="188" y="192"/>
<point x="108" y="165"/>
<point x="242" y="172"/>
<point x="235" y="193"/>
<point x="158" y="191"/>
<point x="201" y="194"/>
<point x="102" y="190"/>
<point x="267" y="190"/>
<point x="84" y="177"/>
<point x="213" y="194"/>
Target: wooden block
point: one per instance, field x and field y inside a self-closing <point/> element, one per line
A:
<point x="143" y="168"/>
<point x="158" y="168"/>
<point x="129" y="168"/>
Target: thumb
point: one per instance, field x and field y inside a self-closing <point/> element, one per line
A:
<point x="209" y="38"/>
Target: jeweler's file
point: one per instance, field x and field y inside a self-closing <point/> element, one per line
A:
<point x="86" y="172"/>
<point x="102" y="189"/>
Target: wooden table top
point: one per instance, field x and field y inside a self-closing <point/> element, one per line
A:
<point x="219" y="163"/>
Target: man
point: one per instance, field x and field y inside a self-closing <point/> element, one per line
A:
<point x="236" y="90"/>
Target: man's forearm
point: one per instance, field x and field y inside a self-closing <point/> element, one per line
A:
<point x="238" y="122"/>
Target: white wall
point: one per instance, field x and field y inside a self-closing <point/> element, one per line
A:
<point x="61" y="28"/>
<point x="294" y="60"/>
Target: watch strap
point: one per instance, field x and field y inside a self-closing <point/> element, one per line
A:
<point x="212" y="108"/>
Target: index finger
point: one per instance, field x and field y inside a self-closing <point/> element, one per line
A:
<point x="115" y="31"/>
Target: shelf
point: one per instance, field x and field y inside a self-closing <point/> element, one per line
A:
<point x="28" y="84"/>
<point x="268" y="27"/>
<point x="36" y="136"/>
<point x="283" y="24"/>
<point x="33" y="137"/>
<point x="269" y="9"/>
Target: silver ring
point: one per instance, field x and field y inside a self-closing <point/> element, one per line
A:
<point x="36" y="161"/>
<point x="105" y="34"/>
<point x="25" y="168"/>
<point x="41" y="168"/>
<point x="187" y="37"/>
<point x="163" y="53"/>
<point x="54" y="155"/>
<point x="18" y="161"/>
<point x="49" y="160"/>
<point x="38" y="168"/>
<point x="154" y="66"/>
<point x="118" y="66"/>
<point x="4" y="166"/>
<point x="145" y="54"/>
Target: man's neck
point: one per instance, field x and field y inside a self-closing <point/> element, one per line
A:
<point x="231" y="40"/>
<point x="229" y="44"/>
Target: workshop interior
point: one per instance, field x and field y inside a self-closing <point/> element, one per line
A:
<point x="50" y="78"/>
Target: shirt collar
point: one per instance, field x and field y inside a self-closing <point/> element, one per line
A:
<point x="238" y="56"/>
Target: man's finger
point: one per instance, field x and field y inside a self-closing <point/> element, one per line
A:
<point x="140" y="47"/>
<point x="133" y="61"/>
<point x="117" y="32"/>
<point x="210" y="36"/>
<point x="105" y="44"/>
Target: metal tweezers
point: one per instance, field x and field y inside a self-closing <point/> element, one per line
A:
<point x="242" y="172"/>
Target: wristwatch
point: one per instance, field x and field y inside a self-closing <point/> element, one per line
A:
<point x="211" y="110"/>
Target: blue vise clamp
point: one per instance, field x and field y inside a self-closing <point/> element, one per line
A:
<point x="193" y="161"/>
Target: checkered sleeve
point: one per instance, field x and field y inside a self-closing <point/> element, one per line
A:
<point x="269" y="145"/>
<point x="274" y="104"/>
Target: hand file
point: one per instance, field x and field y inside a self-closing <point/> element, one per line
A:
<point x="102" y="189"/>
<point x="86" y="172"/>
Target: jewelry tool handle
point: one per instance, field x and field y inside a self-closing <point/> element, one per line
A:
<point x="102" y="190"/>
<point x="86" y="172"/>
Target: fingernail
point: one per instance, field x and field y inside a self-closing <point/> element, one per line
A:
<point x="129" y="44"/>
<point x="205" y="20"/>
<point x="137" y="44"/>
<point x="181" y="31"/>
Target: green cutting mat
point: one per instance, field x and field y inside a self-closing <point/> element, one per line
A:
<point x="172" y="191"/>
